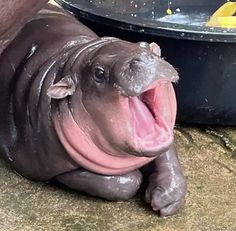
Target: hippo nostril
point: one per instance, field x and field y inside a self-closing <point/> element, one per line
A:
<point x="134" y="63"/>
<point x="136" y="60"/>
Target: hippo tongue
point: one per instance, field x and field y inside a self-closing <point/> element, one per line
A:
<point x="143" y="118"/>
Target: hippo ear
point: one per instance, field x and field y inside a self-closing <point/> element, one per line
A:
<point x="155" y="49"/>
<point x="62" y="89"/>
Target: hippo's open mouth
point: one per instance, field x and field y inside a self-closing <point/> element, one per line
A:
<point x="153" y="115"/>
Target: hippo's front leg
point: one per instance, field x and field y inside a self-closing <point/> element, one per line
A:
<point x="108" y="187"/>
<point x="167" y="185"/>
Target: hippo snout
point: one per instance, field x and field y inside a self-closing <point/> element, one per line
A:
<point x="137" y="74"/>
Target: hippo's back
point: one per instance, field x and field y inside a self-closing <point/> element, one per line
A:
<point x="46" y="34"/>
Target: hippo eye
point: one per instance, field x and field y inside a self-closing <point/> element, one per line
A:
<point x="99" y="74"/>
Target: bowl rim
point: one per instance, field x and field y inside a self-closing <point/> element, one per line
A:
<point x="156" y="28"/>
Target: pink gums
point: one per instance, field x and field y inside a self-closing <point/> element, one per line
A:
<point x="151" y="132"/>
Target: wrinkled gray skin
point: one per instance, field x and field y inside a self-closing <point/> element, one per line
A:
<point x="33" y="56"/>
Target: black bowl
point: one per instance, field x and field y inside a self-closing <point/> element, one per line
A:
<point x="205" y="57"/>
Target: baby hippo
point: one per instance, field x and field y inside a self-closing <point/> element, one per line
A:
<point x="85" y="111"/>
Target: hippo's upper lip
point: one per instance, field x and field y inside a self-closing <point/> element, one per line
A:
<point x="153" y="116"/>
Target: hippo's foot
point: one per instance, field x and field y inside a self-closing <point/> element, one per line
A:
<point x="113" y="188"/>
<point x="166" y="192"/>
<point x="167" y="186"/>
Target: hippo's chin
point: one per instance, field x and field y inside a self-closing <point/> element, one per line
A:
<point x="153" y="115"/>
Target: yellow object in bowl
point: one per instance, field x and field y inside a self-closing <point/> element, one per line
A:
<point x="223" y="17"/>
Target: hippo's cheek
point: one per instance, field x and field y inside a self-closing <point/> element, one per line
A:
<point x="105" y="120"/>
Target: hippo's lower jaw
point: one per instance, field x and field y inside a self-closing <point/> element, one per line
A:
<point x="153" y="116"/>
